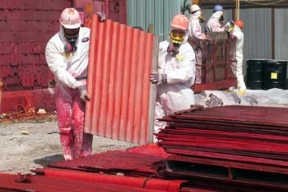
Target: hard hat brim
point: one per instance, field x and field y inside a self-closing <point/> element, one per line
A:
<point x="178" y="27"/>
<point x="67" y="26"/>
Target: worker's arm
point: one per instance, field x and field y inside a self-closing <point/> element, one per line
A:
<point x="57" y="64"/>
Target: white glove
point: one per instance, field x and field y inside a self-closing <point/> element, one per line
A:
<point x="102" y="16"/>
<point x="158" y="78"/>
<point x="83" y="93"/>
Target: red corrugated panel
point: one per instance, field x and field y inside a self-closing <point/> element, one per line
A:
<point x="121" y="59"/>
<point x="74" y="182"/>
<point x="148" y="184"/>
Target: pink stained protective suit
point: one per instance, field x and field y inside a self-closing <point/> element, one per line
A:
<point x="213" y="24"/>
<point x="176" y="94"/>
<point x="70" y="71"/>
<point x="195" y="38"/>
<point x="237" y="67"/>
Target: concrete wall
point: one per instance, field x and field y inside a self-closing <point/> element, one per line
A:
<point x="25" y="28"/>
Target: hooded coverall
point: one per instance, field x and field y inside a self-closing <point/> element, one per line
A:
<point x="70" y="72"/>
<point x="195" y="38"/>
<point x="176" y="94"/>
<point x="213" y="24"/>
<point x="237" y="67"/>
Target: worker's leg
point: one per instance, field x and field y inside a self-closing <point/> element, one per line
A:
<point x="240" y="77"/>
<point x="82" y="141"/>
<point x="63" y="101"/>
<point x="159" y="113"/>
<point x="198" y="57"/>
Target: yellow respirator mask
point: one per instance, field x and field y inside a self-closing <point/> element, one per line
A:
<point x="177" y="36"/>
<point x="230" y="26"/>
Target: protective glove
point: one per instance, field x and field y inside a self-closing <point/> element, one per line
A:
<point x="83" y="93"/>
<point x="233" y="37"/>
<point x="102" y="16"/>
<point x="158" y="78"/>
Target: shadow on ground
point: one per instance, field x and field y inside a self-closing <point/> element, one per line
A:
<point x="49" y="159"/>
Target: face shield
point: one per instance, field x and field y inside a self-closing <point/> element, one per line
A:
<point x="71" y="35"/>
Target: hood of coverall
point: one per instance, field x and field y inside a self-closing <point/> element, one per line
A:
<point x="217" y="15"/>
<point x="237" y="29"/>
<point x="179" y="22"/>
<point x="196" y="15"/>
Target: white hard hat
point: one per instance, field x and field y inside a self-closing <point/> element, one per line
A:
<point x="194" y="8"/>
<point x="70" y="18"/>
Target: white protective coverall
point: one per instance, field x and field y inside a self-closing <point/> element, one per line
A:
<point x="70" y="72"/>
<point x="176" y="94"/>
<point x="213" y="24"/>
<point x="237" y="67"/>
<point x="195" y="38"/>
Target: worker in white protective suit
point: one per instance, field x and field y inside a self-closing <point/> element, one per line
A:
<point x="235" y="30"/>
<point x="176" y="72"/>
<point x="216" y="21"/>
<point x="67" y="57"/>
<point x="196" y="37"/>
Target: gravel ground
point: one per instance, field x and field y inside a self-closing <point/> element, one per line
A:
<point x="26" y="145"/>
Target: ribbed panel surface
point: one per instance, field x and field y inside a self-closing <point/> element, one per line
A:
<point x="120" y="61"/>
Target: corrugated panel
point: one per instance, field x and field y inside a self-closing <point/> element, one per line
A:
<point x="281" y="30"/>
<point x="159" y="13"/>
<point x="122" y="98"/>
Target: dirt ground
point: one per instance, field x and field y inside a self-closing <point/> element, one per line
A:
<point x="31" y="143"/>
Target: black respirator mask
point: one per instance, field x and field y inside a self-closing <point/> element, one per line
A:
<point x="71" y="36"/>
<point x="173" y="48"/>
<point x="221" y="20"/>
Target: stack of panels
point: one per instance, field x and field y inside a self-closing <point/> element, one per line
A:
<point x="115" y="162"/>
<point x="236" y="143"/>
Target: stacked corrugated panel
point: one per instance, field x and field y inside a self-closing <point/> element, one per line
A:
<point x="240" y="145"/>
<point x="81" y="182"/>
<point x="121" y="59"/>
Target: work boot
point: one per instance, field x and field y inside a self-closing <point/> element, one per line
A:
<point x="241" y="92"/>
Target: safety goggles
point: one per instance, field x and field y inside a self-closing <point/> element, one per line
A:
<point x="177" y="35"/>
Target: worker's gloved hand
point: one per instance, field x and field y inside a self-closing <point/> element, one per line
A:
<point x="102" y="16"/>
<point x="83" y="93"/>
<point x="208" y="38"/>
<point x="233" y="37"/>
<point x="158" y="78"/>
<point x="173" y="48"/>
